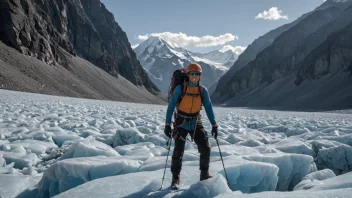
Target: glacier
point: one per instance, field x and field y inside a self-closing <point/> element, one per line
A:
<point x="67" y="147"/>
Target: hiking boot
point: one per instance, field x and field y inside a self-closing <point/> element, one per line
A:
<point x="204" y="176"/>
<point x="175" y="183"/>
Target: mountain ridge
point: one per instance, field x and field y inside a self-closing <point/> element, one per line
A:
<point x="283" y="58"/>
<point x="160" y="58"/>
<point x="43" y="29"/>
<point x="59" y="33"/>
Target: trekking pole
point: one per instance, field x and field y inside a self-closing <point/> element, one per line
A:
<point x="223" y="163"/>
<point x="170" y="139"/>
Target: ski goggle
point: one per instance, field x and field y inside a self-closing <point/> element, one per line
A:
<point x="194" y="73"/>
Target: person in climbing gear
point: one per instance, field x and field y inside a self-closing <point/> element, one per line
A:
<point x="189" y="97"/>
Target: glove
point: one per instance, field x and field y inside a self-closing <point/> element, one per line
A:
<point x="167" y="131"/>
<point x="214" y="131"/>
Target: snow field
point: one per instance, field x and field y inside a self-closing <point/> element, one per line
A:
<point x="71" y="147"/>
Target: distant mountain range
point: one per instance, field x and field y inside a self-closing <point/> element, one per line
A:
<point x="302" y="65"/>
<point x="161" y="58"/>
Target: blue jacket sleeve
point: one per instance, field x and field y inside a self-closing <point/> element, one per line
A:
<point x="208" y="106"/>
<point x="172" y="104"/>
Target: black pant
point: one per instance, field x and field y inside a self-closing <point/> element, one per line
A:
<point x="202" y="141"/>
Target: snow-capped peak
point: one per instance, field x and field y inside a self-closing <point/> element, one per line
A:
<point x="157" y="44"/>
<point x="151" y="43"/>
<point x="225" y="56"/>
<point x="160" y="58"/>
<point x="156" y="47"/>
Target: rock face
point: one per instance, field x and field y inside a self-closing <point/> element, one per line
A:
<point x="258" y="45"/>
<point x="275" y="77"/>
<point x="79" y="78"/>
<point x="332" y="59"/>
<point x="30" y="31"/>
<point x="332" y="56"/>
<point x="43" y="29"/>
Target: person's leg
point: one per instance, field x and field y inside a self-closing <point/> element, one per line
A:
<point x="176" y="163"/>
<point x="202" y="141"/>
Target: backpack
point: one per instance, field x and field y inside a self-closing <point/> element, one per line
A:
<point x="179" y="77"/>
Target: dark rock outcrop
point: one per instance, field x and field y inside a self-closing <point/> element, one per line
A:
<point x="29" y="31"/>
<point x="43" y="29"/>
<point x="80" y="79"/>
<point x="257" y="46"/>
<point x="332" y="56"/>
<point x="256" y="84"/>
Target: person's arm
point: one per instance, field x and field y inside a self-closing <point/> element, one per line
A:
<point x="208" y="106"/>
<point x="173" y="101"/>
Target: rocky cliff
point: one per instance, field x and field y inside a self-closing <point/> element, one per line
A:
<point x="253" y="85"/>
<point x="257" y="46"/>
<point x="45" y="28"/>
<point x="332" y="56"/>
<point x="82" y="79"/>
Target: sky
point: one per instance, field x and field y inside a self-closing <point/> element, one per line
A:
<point x="205" y="25"/>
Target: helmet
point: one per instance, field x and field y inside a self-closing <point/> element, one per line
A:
<point x="194" y="67"/>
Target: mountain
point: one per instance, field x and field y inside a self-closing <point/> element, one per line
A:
<point x="220" y="58"/>
<point x="79" y="78"/>
<point x="55" y="31"/>
<point x="258" y="45"/>
<point x="269" y="80"/>
<point x="254" y="48"/>
<point x="161" y="58"/>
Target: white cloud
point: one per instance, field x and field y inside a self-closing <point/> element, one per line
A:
<point x="272" y="14"/>
<point x="134" y="46"/>
<point x="182" y="39"/>
<point x="142" y="37"/>
<point x="237" y="49"/>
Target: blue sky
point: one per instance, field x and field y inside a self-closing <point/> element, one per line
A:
<point x="204" y="25"/>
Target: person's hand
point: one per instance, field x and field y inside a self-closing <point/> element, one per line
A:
<point x="214" y="131"/>
<point x="167" y="131"/>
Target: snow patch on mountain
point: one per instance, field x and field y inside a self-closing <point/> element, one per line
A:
<point x="161" y="58"/>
